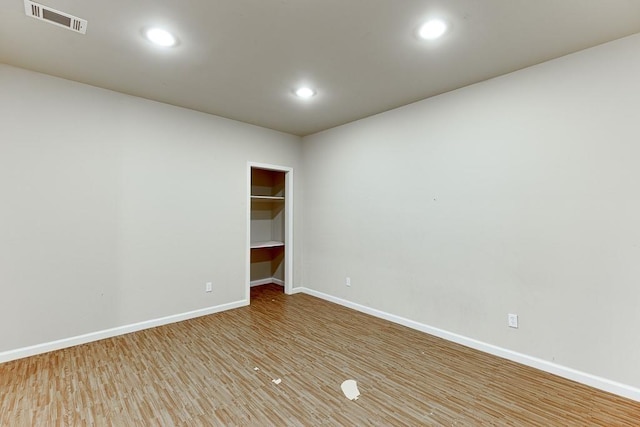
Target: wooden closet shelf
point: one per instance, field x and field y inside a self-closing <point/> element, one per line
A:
<point x="268" y="244"/>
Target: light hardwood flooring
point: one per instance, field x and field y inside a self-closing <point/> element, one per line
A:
<point x="201" y="372"/>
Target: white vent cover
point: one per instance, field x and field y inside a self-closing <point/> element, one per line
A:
<point x="52" y="16"/>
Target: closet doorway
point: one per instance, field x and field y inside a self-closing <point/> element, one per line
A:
<point x="270" y="226"/>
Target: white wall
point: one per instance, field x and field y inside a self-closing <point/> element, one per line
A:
<point x="516" y="195"/>
<point x="116" y="209"/>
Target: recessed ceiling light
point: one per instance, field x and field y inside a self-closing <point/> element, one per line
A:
<point x="161" y="37"/>
<point x="432" y="29"/>
<point x="305" y="92"/>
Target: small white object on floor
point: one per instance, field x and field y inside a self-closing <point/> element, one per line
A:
<point x="256" y="369"/>
<point x="278" y="381"/>
<point x="350" y="389"/>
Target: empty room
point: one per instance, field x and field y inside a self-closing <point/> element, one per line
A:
<point x="305" y="212"/>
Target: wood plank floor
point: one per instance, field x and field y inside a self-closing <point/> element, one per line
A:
<point x="201" y="372"/>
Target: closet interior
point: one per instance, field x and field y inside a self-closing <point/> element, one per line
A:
<point x="267" y="227"/>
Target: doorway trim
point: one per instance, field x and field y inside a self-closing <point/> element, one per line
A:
<point x="288" y="227"/>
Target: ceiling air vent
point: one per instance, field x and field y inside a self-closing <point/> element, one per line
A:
<point x="52" y="16"/>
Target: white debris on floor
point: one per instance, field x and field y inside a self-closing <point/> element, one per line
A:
<point x="275" y="381"/>
<point x="350" y="389"/>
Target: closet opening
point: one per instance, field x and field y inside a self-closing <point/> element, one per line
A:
<point x="270" y="227"/>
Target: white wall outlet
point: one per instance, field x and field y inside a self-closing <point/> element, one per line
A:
<point x="512" y="320"/>
<point x="348" y="281"/>
<point x="208" y="287"/>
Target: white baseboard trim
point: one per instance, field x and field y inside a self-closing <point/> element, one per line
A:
<point x="260" y="282"/>
<point x="534" y="362"/>
<point x="33" y="350"/>
<point x="266" y="281"/>
<point x="297" y="290"/>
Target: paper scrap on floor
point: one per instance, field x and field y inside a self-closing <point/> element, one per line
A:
<point x="277" y="381"/>
<point x="350" y="389"/>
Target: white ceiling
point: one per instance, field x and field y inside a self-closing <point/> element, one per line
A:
<point x="242" y="59"/>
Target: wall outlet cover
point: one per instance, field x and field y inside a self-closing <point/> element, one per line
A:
<point x="512" y="320"/>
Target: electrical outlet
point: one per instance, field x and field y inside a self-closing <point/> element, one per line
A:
<point x="513" y="320"/>
<point x="348" y="281"/>
<point x="208" y="287"/>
